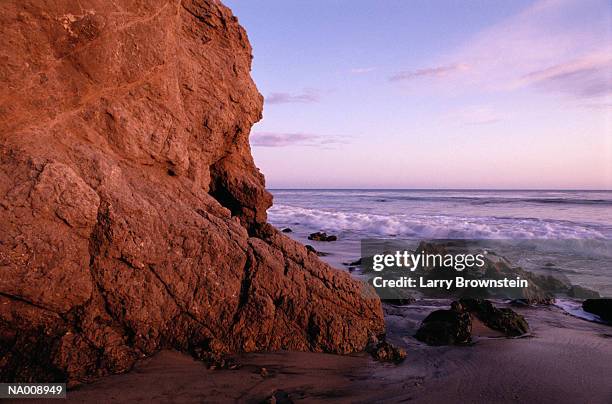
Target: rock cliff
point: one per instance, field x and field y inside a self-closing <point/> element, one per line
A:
<point x="132" y="216"/>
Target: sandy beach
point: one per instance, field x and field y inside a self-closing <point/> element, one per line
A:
<point x="565" y="359"/>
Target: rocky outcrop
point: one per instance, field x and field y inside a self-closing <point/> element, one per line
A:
<point x="132" y="216"/>
<point x="454" y="326"/>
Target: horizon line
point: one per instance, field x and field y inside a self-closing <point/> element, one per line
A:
<point x="443" y="189"/>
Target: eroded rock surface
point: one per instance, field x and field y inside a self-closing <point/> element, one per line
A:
<point x="132" y="216"/>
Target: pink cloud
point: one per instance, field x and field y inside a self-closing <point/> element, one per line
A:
<point x="362" y="70"/>
<point x="279" y="139"/>
<point x="308" y="96"/>
<point x="437" y="71"/>
<point x="546" y="47"/>
<point x="589" y="76"/>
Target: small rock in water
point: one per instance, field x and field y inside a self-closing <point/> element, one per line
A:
<point x="321" y="236"/>
<point x="287" y="230"/>
<point x="352" y="263"/>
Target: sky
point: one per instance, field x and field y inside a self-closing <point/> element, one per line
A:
<point x="432" y="94"/>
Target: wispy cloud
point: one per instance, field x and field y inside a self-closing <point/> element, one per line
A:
<point x="436" y="71"/>
<point x="278" y="139"/>
<point x="553" y="45"/>
<point x="362" y="70"/>
<point x="307" y="96"/>
<point x="589" y="76"/>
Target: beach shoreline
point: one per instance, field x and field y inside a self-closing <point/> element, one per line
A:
<point x="563" y="359"/>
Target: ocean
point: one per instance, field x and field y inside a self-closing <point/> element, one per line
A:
<point x="577" y="223"/>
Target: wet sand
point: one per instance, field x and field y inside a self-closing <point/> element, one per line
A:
<point x="564" y="360"/>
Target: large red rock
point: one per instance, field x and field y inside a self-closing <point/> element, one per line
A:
<point x="132" y="216"/>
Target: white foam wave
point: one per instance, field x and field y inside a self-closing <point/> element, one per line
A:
<point x="428" y="226"/>
<point x="575" y="309"/>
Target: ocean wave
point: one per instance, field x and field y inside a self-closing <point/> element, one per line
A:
<point x="430" y="226"/>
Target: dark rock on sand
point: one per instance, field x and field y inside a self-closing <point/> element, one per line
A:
<point x="287" y="230"/>
<point x="454" y="326"/>
<point x="600" y="307"/>
<point x="383" y="351"/>
<point x="505" y="320"/>
<point x="132" y="215"/>
<point x="321" y="236"/>
<point x="446" y="327"/>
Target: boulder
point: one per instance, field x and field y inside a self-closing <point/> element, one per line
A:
<point x="132" y="215"/>
<point x="446" y="327"/>
<point x="320" y="236"/>
<point x="454" y="326"/>
<point x="504" y="320"/>
<point x="600" y="307"/>
<point x="383" y="351"/>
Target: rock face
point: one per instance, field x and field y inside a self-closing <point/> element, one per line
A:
<point x="132" y="216"/>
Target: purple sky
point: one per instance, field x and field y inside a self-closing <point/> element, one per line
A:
<point x="432" y="94"/>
